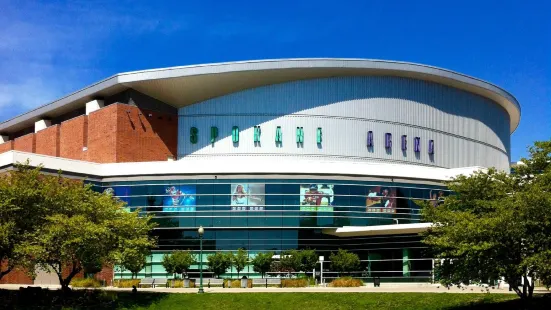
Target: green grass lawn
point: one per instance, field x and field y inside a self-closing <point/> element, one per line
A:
<point x="258" y="301"/>
<point x="334" y="301"/>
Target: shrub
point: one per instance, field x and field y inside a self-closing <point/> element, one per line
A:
<point x="126" y="283"/>
<point x="346" y="282"/>
<point x="231" y="283"/>
<point x="311" y="281"/>
<point x="294" y="282"/>
<point x="89" y="282"/>
<point x="180" y="283"/>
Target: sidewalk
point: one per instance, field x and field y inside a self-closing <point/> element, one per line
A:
<point x="406" y="288"/>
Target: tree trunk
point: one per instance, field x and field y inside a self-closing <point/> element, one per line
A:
<point x="5" y="272"/>
<point x="65" y="282"/>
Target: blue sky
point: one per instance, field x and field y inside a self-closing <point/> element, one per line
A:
<point x="49" y="49"/>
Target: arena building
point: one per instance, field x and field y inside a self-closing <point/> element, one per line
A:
<point x="276" y="154"/>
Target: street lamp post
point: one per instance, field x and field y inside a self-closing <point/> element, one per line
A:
<point x="201" y="231"/>
<point x="321" y="258"/>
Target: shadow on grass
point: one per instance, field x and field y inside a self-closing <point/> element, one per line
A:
<point x="37" y="298"/>
<point x="540" y="301"/>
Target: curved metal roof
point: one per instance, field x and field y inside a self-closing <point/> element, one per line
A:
<point x="181" y="86"/>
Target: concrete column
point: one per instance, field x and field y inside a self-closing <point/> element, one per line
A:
<point x="4" y="139"/>
<point x="94" y="105"/>
<point x="42" y="124"/>
<point x="405" y="263"/>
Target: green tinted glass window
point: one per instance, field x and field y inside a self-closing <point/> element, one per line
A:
<point x="213" y="134"/>
<point x="279" y="135"/>
<point x="193" y="135"/>
<point x="235" y="134"/>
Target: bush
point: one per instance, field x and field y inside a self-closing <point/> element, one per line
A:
<point x="346" y="282"/>
<point x="89" y="282"/>
<point x="294" y="282"/>
<point x="311" y="281"/>
<point x="126" y="283"/>
<point x="229" y="283"/>
<point x="179" y="283"/>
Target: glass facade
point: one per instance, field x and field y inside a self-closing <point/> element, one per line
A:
<point x="262" y="215"/>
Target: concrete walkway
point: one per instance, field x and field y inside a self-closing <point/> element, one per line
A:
<point x="390" y="288"/>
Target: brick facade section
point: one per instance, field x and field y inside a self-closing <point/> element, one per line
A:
<point x="102" y="135"/>
<point x="47" y="141"/>
<point x="15" y="276"/>
<point x="25" y="143"/>
<point x="114" y="134"/>
<point x="6" y="146"/>
<point x="106" y="274"/>
<point x="144" y="135"/>
<point x="72" y="138"/>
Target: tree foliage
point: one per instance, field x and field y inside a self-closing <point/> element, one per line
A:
<point x="496" y="225"/>
<point x="239" y="260"/>
<point x="262" y="262"/>
<point x="290" y="261"/>
<point x="179" y="262"/>
<point x="133" y="260"/>
<point x="61" y="224"/>
<point x="344" y="261"/>
<point x="309" y="259"/>
<point x="22" y="206"/>
<point x="218" y="263"/>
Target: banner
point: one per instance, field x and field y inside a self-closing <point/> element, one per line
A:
<point x="316" y="197"/>
<point x="247" y="197"/>
<point x="381" y="200"/>
<point x="180" y="198"/>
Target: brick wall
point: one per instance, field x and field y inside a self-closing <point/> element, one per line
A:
<point x="72" y="138"/>
<point x="6" y="146"/>
<point x="144" y="135"/>
<point x="47" y="141"/>
<point x="116" y="133"/>
<point x="102" y="135"/>
<point x="106" y="274"/>
<point x="25" y="143"/>
<point x="15" y="276"/>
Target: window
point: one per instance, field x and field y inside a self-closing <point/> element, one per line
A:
<point x="388" y="140"/>
<point x="193" y="135"/>
<point x="279" y="135"/>
<point x="300" y="135"/>
<point x="370" y="138"/>
<point x="417" y="144"/>
<point x="404" y="142"/>
<point x="319" y="135"/>
<point x="235" y="134"/>
<point x="431" y="147"/>
<point x="213" y="134"/>
<point x="256" y="133"/>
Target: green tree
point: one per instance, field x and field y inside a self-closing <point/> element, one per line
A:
<point x="218" y="263"/>
<point x="84" y="228"/>
<point x="240" y="260"/>
<point x="309" y="260"/>
<point x="262" y="262"/>
<point x="182" y="260"/>
<point x="22" y="208"/>
<point x="168" y="264"/>
<point x="496" y="225"/>
<point x="290" y="261"/>
<point x="344" y="261"/>
<point x="132" y="260"/>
